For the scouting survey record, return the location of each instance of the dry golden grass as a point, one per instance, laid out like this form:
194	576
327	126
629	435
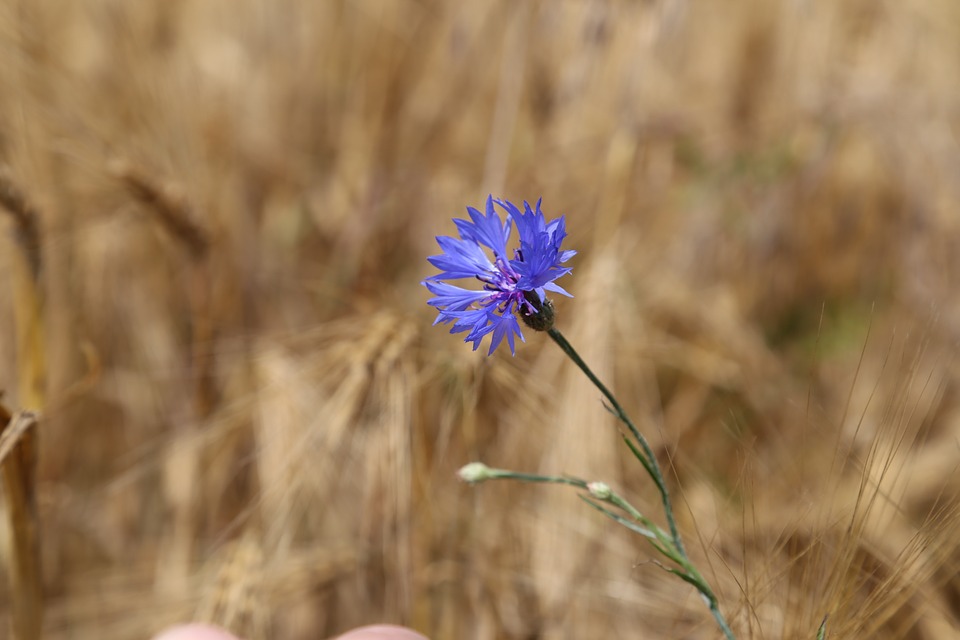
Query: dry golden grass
249	419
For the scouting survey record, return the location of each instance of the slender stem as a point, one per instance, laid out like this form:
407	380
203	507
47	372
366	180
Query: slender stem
721	621
688	571
664	539
657	474
503	474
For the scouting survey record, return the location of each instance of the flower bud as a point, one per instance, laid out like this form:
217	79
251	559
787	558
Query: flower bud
542	320
474	472
599	490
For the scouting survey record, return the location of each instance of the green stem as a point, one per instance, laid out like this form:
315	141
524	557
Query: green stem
654	467
721	621
689	573
504	474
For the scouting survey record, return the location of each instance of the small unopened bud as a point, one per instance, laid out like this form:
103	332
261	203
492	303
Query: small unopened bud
542	320
599	490
474	472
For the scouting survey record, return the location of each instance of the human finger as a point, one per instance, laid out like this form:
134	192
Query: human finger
382	632
195	632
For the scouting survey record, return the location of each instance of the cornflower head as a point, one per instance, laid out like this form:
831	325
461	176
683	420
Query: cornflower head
511	286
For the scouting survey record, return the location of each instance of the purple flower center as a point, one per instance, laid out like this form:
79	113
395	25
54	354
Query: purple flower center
503	284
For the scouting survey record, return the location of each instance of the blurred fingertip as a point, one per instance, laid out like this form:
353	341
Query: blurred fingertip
382	632
195	632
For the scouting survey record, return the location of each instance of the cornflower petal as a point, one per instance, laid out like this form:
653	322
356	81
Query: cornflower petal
505	325
450	298
484	325
552	286
528	225
460	259
474	320
486	229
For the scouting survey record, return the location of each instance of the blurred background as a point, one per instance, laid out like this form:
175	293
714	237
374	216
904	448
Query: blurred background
210	270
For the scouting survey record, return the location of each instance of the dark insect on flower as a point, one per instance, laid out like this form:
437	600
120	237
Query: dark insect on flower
510	286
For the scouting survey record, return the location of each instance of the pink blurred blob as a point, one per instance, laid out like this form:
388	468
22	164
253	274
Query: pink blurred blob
195	632
382	632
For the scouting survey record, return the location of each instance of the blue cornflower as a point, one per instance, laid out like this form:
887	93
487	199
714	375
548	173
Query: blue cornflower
510	286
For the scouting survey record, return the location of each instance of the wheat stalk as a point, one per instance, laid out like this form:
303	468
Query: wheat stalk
18	443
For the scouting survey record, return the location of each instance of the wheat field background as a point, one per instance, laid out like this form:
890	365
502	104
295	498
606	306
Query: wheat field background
216	219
